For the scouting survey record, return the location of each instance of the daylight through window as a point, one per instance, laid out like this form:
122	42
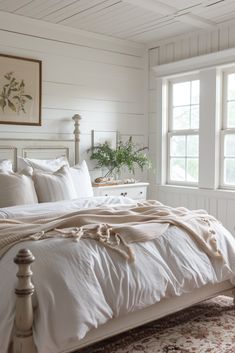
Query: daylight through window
183	132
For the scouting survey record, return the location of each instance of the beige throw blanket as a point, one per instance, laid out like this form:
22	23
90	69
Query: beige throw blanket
115	228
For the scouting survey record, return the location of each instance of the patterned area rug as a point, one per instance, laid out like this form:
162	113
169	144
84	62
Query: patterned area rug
208	327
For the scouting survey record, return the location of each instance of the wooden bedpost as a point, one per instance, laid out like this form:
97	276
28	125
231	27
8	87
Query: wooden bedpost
23	336
76	132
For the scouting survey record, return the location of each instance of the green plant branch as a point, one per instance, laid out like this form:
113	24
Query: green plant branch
127	154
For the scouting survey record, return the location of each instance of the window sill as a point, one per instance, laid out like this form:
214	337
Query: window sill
217	193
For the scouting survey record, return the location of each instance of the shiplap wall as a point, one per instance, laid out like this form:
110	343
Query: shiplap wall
96	76
219	203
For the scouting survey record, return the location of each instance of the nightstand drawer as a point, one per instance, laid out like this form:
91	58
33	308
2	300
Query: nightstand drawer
136	191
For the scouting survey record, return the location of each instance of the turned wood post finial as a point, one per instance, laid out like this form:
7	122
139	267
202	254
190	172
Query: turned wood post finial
24	256
23	337
24	259
76	118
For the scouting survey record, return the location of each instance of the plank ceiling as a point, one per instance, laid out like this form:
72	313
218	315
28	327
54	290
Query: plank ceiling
137	20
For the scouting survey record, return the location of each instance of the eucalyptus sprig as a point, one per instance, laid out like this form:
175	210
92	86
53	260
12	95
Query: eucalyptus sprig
127	154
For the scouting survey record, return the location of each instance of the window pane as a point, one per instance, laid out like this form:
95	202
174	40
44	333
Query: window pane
192	170
231	114
231	86
192	145
177	169
177	146
229	145
229	171
194	117
181	118
195	92
184	147
181	93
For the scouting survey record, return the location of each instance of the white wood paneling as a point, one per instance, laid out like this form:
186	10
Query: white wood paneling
191	45
102	83
217	202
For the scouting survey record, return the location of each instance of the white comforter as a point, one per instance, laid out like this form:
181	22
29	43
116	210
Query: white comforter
88	284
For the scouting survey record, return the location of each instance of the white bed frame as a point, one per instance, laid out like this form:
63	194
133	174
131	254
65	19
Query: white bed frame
23	335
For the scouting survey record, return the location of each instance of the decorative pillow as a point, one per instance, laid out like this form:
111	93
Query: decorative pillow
17	189
55	186
47	165
82	180
6	165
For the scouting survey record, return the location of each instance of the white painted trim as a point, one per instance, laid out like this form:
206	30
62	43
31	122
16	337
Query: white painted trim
222	58
162	129
188	190
145	94
210	81
46	30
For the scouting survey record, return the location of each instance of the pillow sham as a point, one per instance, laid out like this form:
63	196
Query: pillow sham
55	186
6	165
82	180
17	189
47	165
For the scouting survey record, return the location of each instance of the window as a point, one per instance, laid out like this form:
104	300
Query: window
183	132
228	131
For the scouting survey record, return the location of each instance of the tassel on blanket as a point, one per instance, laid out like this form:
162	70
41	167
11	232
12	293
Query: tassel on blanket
75	233
104	234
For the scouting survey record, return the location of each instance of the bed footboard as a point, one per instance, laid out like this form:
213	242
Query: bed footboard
23	336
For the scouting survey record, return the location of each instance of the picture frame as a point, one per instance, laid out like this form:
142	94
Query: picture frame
20	90
99	137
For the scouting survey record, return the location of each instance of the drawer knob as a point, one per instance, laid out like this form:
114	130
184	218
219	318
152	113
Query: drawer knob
123	193
141	192
106	194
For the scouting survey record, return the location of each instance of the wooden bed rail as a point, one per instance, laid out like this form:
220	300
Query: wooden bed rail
23	336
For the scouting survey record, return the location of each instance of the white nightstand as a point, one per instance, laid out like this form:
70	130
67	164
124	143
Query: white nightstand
136	191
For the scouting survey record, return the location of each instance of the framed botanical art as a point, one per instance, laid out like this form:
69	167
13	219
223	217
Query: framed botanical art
99	137
20	90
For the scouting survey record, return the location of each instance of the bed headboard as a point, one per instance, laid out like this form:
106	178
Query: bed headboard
42	149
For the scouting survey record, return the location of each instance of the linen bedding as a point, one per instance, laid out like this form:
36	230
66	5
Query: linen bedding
81	285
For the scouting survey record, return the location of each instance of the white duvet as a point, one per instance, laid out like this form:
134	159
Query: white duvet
87	284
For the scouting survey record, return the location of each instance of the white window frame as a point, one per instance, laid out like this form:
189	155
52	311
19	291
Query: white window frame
171	132
210	68
225	130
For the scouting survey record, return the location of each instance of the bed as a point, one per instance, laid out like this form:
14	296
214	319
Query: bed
82	291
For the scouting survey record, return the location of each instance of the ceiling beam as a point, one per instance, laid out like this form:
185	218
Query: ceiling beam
163	9
194	20
153	5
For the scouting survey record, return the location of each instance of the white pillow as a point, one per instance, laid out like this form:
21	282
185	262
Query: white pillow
17	189
55	186
47	165
82	180
6	165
